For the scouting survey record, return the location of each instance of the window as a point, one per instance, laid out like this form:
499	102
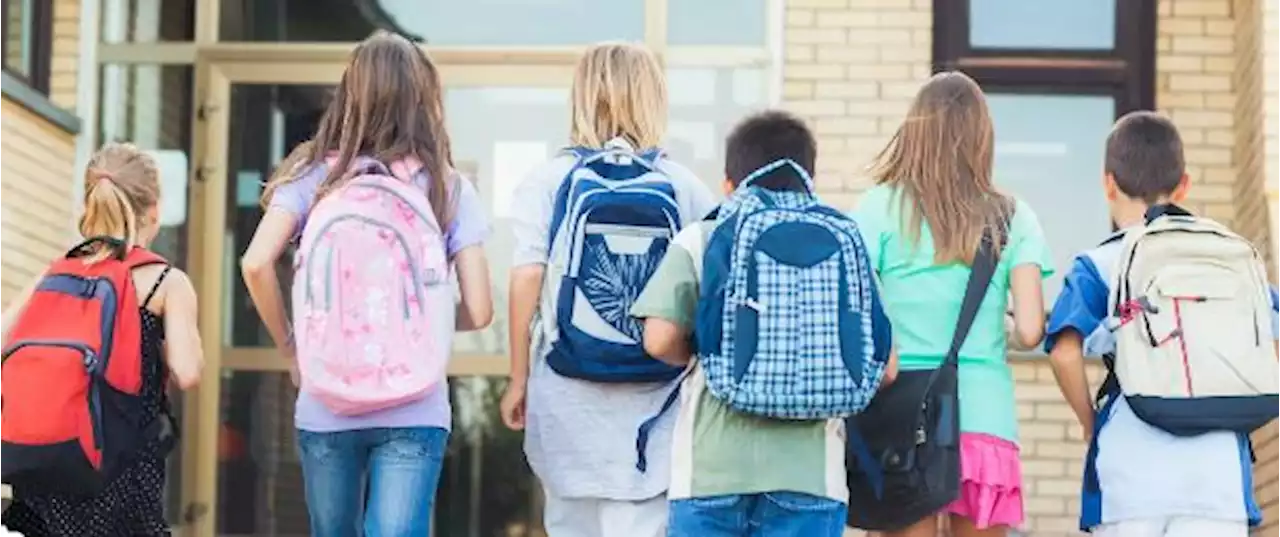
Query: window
28	30
1057	75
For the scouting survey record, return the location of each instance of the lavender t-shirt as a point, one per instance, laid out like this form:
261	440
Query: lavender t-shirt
469	227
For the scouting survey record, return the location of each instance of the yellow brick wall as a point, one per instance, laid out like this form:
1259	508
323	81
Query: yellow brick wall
35	205
1195	64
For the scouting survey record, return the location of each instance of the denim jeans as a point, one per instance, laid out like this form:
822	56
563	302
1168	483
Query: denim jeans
382	479
771	514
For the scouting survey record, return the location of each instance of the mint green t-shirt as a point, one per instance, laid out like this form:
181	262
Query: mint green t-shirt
923	299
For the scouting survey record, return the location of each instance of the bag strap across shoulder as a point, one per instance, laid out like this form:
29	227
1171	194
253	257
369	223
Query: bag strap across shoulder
980	275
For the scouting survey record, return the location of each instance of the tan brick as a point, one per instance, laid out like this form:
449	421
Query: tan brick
818	3
850	19
1063	487
912	54
1202	44
1218	8
845	126
1055	412
1221	138
1045	506
817	35
797	90
1219	27
1220	64
1042	468
1164	43
1218	174
1059	525
1026	411
1037	392
1197	118
847	89
916	18
922	37
800	17
815	72
879	72
847	53
1181	26
1220	101
1206	156
880	37
1042	431
817	108
1061	450
1190	82
1175	63
801	53
1212	192
1180	99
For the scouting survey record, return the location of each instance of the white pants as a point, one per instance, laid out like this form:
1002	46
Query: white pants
605	518
1173	527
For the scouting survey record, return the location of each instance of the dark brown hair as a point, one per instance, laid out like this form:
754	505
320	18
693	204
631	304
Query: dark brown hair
387	107
941	159
764	137
1144	155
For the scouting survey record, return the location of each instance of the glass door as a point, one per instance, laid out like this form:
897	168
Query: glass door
241	472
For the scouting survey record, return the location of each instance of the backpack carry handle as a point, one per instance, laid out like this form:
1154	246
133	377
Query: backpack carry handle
1165	209
770	167
615	152
118	245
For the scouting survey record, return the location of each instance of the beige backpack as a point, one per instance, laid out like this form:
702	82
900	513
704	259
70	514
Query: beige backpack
1192	319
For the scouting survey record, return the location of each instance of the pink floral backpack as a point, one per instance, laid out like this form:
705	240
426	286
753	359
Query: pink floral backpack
373	306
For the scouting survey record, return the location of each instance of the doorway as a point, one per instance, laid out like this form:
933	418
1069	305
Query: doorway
241	474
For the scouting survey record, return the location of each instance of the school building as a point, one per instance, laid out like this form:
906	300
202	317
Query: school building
220	90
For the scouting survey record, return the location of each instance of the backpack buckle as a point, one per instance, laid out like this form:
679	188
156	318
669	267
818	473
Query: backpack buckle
89	289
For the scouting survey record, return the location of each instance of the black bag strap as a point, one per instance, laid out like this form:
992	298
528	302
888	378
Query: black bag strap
980	275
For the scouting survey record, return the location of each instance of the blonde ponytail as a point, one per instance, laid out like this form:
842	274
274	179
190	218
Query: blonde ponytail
121	185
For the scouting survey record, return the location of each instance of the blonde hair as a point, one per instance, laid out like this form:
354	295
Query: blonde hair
121	184
940	159
619	90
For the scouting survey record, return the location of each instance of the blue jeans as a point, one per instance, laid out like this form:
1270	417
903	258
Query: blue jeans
382	479
772	514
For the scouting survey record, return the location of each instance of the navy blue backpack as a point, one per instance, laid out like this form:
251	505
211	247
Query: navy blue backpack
615	214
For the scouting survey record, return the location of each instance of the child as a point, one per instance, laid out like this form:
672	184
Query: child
743	475
923	221
121	202
1149	483
386	124
581	434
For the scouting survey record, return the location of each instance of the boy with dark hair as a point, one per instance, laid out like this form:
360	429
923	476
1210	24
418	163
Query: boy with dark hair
745	474
1141	480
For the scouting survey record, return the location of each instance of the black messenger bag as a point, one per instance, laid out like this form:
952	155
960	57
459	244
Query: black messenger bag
903	454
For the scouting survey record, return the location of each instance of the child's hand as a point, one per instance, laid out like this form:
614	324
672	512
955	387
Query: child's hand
513	404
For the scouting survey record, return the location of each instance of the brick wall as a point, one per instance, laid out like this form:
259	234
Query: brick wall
852	67
1195	64
35	208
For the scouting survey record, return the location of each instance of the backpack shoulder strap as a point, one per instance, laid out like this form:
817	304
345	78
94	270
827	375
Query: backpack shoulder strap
980	275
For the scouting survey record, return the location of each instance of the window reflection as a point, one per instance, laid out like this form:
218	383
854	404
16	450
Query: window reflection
716	22
706	102
1078	24
1057	171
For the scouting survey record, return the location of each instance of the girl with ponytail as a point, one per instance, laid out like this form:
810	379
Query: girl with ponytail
119	219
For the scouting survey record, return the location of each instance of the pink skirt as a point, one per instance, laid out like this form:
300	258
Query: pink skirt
990	482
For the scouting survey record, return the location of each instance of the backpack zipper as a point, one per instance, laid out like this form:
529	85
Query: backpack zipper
92	366
404	245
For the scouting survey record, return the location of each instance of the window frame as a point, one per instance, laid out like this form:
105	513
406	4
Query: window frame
1127	72
39	71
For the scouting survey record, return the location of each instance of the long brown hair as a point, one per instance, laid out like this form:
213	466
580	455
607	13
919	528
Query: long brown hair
121	187
618	90
387	107
940	159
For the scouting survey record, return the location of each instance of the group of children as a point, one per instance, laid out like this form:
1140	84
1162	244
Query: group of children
706	468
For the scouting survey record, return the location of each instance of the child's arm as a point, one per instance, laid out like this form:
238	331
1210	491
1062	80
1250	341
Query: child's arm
1080	309
670	300
1067	359
1028	306
667	341
531	213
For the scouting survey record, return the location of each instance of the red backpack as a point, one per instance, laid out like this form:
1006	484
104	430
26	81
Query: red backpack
72	406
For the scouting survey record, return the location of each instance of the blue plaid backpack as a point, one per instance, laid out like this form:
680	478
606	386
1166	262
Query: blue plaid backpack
615	213
789	322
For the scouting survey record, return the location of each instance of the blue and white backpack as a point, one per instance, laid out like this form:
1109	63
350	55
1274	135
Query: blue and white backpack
615	214
789	322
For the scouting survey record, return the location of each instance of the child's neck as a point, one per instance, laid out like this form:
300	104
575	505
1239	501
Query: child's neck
1133	212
